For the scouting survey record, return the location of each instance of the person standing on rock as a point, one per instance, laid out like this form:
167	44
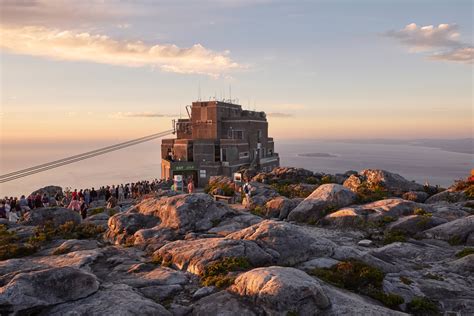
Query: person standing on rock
87	196
247	189
93	195
190	186
83	208
75	205
38	202
3	213
45	200
121	193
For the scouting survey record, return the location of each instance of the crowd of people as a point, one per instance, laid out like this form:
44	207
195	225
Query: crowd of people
13	208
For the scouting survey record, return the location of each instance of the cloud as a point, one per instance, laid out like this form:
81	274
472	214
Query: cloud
279	114
120	115
440	42
81	46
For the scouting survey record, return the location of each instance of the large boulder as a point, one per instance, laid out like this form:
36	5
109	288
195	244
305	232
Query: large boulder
281	290
414	224
260	194
38	289
50	190
447	196
55	215
455	232
280	207
124	225
290	244
111	300
378	211
195	255
284	174
394	183
324	200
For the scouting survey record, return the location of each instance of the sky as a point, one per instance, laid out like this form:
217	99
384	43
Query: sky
109	70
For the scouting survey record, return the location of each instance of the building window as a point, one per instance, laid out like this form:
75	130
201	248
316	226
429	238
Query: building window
244	155
238	135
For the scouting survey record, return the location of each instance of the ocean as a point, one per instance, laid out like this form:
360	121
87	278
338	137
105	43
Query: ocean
142	162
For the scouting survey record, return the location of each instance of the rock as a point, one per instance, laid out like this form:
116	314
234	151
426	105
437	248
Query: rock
111	300
72	245
450	212
50	190
101	219
195	255
180	310
455	232
55	215
449	196
284	174
355	216
464	265
394	183
186	212
280	207
204	291
260	194
38	289
347	303
161	276
234	224
325	199
365	243
289	243
123	225
310	265
416	196
160	293
223	304
414	224
281	290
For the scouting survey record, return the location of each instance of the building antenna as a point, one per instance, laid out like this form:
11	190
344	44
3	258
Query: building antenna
230	93
199	90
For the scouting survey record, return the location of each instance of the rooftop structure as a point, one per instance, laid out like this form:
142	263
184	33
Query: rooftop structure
218	138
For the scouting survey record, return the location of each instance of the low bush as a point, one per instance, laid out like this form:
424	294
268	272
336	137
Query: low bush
367	193
220	188
359	277
68	230
422	306
465	252
11	247
394	236
217	273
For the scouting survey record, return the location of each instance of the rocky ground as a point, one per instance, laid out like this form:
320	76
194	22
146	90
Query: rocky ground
367	243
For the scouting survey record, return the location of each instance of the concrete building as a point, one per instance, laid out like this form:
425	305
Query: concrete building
218	138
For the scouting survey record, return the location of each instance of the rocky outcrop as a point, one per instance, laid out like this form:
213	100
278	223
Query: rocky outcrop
195	255
324	200
223	303
393	183
38	289
448	196
383	210
50	190
284	174
455	232
281	290
260	194
415	224
289	244
111	300
280	207
55	215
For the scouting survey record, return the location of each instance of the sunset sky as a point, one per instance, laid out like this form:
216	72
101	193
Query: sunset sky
75	70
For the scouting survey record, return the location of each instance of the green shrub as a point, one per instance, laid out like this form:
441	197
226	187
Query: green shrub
465	252
311	180
225	188
258	210
394	236
11	247
422	306
419	211
359	277
96	211
327	179
455	241
369	193
68	230
217	273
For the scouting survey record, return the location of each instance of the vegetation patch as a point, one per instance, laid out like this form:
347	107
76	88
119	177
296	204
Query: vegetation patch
394	236
419	211
220	188
367	193
258	210
465	252
11	247
422	306
455	241
359	277
291	191
434	277
219	272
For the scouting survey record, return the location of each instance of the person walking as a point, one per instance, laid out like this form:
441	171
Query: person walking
190	186
75	205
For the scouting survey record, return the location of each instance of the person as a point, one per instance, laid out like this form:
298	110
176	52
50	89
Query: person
23	203
45	200
121	193
37	201
190	186
111	202
3	213
83	208
93	194
247	189
75	205
13	216
87	196
74	194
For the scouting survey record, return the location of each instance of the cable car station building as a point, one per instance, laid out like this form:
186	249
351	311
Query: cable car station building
218	138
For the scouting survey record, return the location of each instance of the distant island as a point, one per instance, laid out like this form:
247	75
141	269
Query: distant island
318	155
